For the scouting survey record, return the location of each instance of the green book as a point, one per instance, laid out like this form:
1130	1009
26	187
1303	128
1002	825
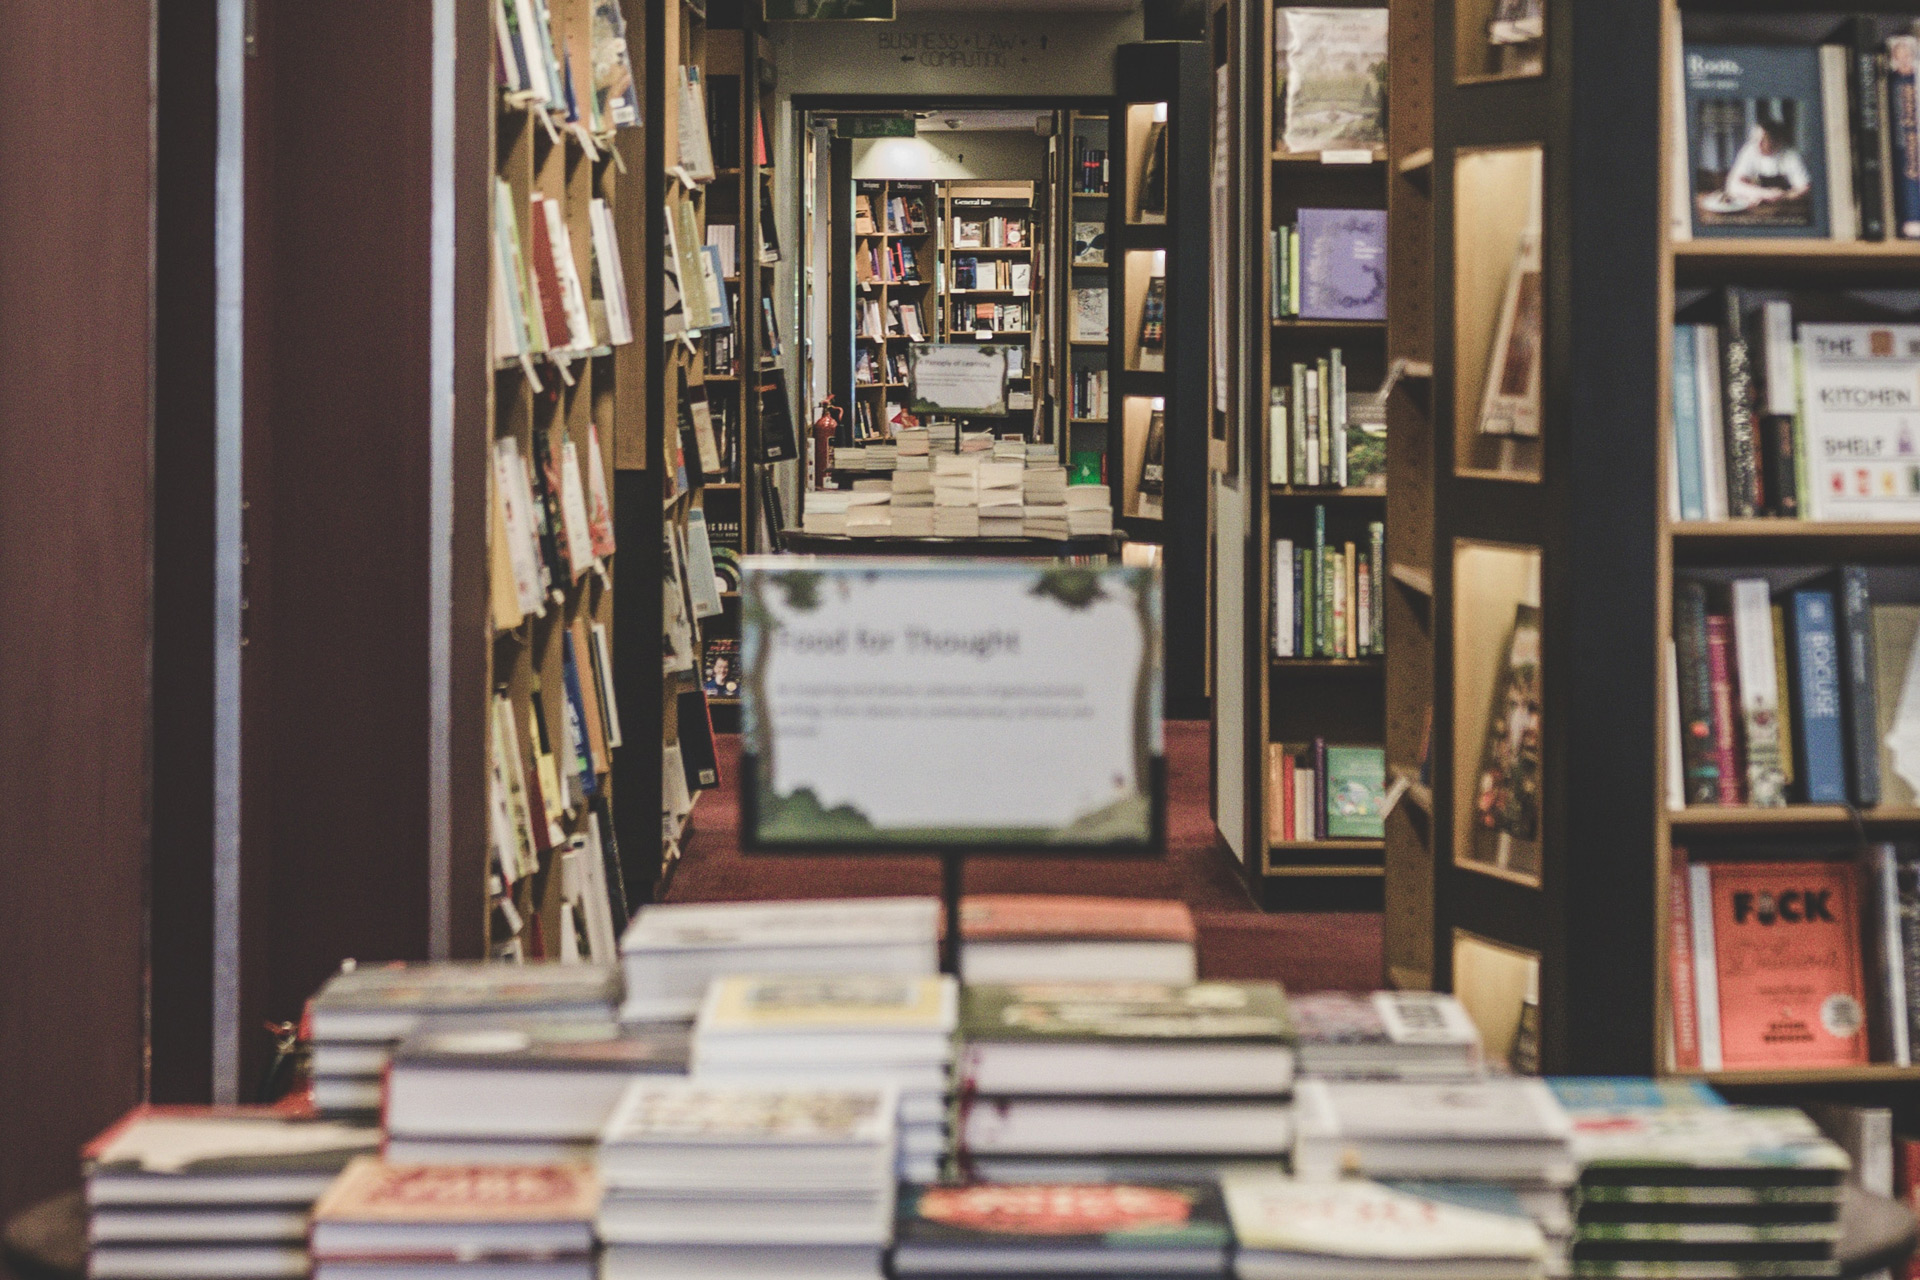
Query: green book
1356	786
1085	468
1108	1011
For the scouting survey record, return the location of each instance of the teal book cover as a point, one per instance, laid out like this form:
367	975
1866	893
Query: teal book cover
1356	788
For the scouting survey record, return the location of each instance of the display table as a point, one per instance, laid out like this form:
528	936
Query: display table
839	544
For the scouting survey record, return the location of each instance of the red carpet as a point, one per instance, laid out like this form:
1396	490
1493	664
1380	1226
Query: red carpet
1302	951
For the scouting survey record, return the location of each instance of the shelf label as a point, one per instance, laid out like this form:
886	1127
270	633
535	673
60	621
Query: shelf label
1358	156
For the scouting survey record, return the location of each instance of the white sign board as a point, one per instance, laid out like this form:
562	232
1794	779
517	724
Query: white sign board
915	704
955	379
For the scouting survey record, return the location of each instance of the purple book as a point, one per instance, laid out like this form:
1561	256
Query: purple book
1343	264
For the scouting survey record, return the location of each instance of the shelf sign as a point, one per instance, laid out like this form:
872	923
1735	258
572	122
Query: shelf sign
913	704
874	126
828	11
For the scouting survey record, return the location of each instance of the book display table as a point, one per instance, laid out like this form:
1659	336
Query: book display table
837	544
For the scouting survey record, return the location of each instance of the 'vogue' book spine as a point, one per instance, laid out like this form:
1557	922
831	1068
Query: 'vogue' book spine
1819	753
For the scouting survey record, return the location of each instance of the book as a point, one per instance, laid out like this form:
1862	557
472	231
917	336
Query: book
1047	937
1356	790
1778	961
1819	743
1859	717
1896	653
1362	1230
1510	1129
695	736
1759	694
1343	263
1090	314
694	138
1152	192
1089	244
1391	1035
1036	1127
1334	94
1157	1228
614	87
1862	420
1889	1024
385	1003
1903	131
159	1155
1507	795
1510	402
1757	140
379	1211
1868	125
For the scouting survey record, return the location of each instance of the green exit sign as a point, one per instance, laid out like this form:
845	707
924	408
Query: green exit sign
874	127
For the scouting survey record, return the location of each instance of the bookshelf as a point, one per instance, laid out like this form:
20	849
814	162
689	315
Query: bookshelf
1335	690
995	265
893	267
1085	391
561	408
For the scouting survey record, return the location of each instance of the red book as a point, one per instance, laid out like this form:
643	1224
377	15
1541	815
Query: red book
546	278
1720	689
1906	1185
385	1212
985	916
1292	827
1787	966
1686	1015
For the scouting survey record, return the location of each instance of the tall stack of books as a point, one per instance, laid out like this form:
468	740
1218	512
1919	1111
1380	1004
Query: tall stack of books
780	1030
384	1221
742	1180
1675	1182
956	495
826	511
1061	938
1387	1035
1043	493
1143	1231
1095	1081
912	491
517	1093
1089	510
363	1012
673	952
1001	487
869	511
1356	1230
205	1191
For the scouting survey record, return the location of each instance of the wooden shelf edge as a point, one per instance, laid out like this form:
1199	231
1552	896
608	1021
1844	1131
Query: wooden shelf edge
1301	322
1798	249
1376	156
1374	660
1415	161
1706	817
1327	846
1325	872
1879	1072
1417	580
1761	528
1309	491
1418	792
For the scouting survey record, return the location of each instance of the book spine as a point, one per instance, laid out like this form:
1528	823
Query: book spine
1783	690
1323	419
1319	788
1302	798
1713	440
1680	979
1363	613
1278	453
1843	215
1759	697
1781	468
1686	426
1888	955
1300	627
1378	531
1858	709
1819	740
1289	819
1736	389
1696	695
1903	126
1908	908
1283	598
1319	582
1706	973
1338	418
1297	406
1350	577
1720	686
1869	182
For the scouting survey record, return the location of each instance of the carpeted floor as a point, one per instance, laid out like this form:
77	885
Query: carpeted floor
1305	951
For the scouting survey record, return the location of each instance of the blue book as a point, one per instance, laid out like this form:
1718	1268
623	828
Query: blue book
1813	650
1686	426
1343	264
576	714
1756	140
1588	1093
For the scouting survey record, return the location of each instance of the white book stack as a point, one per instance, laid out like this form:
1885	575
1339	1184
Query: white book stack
1001	502
913	501
1010	449
778	1030
826	511
868	512
492	1092
943	437
736	1180
1388	1035
976	442
882	455
852	457
1496	1130
193	1191
910	441
956	495
673	951
1089	510
362	1013
1044	495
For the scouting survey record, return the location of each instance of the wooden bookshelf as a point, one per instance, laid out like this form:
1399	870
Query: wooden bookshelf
548	405
1088	205
979	200
884	289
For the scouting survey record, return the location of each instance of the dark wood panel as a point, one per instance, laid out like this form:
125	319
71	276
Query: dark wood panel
75	200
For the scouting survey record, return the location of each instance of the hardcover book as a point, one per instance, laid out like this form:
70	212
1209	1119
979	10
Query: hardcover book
1861	406
1356	790
371	1190
1090	315
687	1111
1507	797
1343	264
1510	405
998	917
828	1003
1320	1225
1089	244
1141	1228
1124	1011
1331	78
827	922
274	1151
1756	140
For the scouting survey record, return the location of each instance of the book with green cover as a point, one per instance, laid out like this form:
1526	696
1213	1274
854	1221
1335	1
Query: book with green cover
1356	786
1127	1011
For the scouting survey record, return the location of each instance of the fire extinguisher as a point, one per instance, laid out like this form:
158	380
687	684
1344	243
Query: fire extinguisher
825	428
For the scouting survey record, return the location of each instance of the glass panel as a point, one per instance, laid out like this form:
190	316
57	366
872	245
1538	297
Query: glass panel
1499	986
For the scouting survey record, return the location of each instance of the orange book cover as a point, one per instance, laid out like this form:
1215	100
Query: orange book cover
1034	916
1786	942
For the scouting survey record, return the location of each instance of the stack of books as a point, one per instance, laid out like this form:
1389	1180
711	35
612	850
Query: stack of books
672	952
205	1191
1001	501
518	1092
363	1012
1044	493
384	1221
1142	1231
826	511
1093	1081
1060	938
1388	1035
781	1030
741	1180
869	512
1089	510
1356	1230
1675	1182
956	495
912	495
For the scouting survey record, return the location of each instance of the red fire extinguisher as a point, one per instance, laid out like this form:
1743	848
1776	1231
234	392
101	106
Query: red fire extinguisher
825	428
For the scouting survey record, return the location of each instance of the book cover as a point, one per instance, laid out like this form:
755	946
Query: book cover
546	277
826	922
695	725
689	1111
1510	403
1089	244
1343	264
1356	790
1814	668
1126	1011
599	501
1684	1044
1903	127
1868	125
1861	399
1090	314
1689	1134
1725	715
1492	1110
371	1190
1507	794
1787	963
1333	89
200	1141
507	1045
1697	747
1150	490
1739	400
778	441
1854	613
1060	1217
1364	1220
850	1002
467	986
720	668
613	83
1756	140
1381	1018
996	917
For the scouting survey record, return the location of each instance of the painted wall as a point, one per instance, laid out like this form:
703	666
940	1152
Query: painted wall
993	153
